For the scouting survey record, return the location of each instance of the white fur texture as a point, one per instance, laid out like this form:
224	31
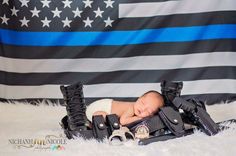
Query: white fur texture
21	120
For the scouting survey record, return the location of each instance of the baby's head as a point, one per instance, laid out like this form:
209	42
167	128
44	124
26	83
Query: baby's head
148	104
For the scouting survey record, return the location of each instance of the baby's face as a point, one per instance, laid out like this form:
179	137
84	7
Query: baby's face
147	106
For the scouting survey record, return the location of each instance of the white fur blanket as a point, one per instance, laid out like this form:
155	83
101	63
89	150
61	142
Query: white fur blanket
22	121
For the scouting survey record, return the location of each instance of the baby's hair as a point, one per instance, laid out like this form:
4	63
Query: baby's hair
151	91
158	95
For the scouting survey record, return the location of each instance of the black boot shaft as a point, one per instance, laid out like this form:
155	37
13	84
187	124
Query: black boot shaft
170	90
75	106
69	92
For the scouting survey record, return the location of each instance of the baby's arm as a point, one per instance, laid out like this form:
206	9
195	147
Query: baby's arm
128	117
100	113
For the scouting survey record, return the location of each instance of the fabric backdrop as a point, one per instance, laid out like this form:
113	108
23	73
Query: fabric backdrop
117	48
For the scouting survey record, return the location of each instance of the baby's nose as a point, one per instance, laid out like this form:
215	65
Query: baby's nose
142	109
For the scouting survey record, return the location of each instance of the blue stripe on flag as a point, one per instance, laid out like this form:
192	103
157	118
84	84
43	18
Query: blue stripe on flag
174	34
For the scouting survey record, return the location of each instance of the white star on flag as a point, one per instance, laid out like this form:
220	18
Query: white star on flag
5	2
98	12
24	22
88	22
24	3
45	22
45	3
56	12
67	3
66	22
4	19
14	11
77	12
35	12
108	22
109	3
88	3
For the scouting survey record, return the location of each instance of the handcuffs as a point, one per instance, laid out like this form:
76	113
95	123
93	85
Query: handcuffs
123	134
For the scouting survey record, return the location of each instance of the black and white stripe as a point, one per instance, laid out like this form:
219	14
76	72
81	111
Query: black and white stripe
173	7
221	86
164	48
132	76
118	64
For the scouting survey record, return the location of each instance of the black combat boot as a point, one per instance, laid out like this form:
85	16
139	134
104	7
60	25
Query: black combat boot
75	106
170	90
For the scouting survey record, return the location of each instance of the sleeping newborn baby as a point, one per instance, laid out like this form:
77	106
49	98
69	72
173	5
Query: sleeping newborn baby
128	112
